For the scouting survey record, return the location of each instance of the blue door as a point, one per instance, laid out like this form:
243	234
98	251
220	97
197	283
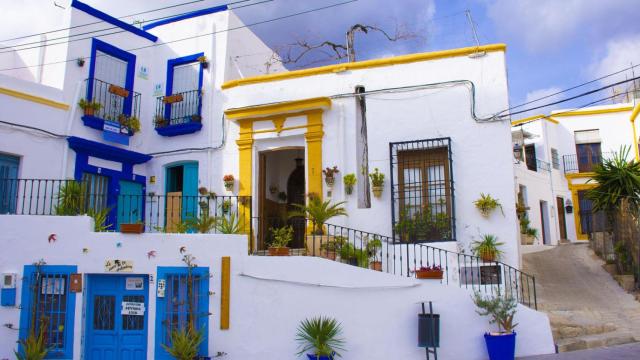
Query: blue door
8	183
130	203
190	190
116	327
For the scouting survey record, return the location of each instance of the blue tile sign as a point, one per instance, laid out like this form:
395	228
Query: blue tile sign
115	133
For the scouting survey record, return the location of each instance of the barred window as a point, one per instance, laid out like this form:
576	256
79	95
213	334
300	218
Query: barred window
423	194
555	159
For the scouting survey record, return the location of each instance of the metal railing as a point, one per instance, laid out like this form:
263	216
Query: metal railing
382	253
180	108
30	196
579	164
543	165
113	104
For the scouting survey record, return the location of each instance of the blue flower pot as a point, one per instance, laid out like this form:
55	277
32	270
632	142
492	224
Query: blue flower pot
501	347
323	357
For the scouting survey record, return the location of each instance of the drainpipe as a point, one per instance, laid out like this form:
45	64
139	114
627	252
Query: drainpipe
72	113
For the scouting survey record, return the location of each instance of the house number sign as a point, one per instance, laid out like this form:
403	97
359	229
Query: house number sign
116	265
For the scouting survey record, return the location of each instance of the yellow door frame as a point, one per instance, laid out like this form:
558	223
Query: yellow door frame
574	188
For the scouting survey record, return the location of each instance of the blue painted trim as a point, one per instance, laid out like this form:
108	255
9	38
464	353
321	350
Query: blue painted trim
188	15
8	297
129	58
112	20
25	303
179	129
97	123
203	321
107	152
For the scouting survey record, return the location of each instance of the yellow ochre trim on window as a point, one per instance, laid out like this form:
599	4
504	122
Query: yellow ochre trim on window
574	188
34	98
533	118
634	115
278	108
336	68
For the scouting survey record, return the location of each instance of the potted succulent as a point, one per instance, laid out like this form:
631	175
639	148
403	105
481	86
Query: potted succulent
429	272
486	204
373	249
330	176
318	212
228	182
321	336
487	248
89	107
349	181
377	182
281	238
501	345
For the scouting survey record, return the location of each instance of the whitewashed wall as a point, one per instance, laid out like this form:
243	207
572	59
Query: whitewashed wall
269	296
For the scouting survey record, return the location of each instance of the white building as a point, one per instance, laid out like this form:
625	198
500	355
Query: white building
559	152
424	120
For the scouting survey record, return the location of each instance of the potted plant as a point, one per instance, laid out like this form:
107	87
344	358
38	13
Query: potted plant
34	346
161	121
321	336
80	62
429	272
330	176
318	212
119	91
282	196
228	182
377	182
133	228
133	124
527	233
203	61
203	191
487	248
89	107
501	345
486	204
373	249
225	206
281	238
349	181
329	250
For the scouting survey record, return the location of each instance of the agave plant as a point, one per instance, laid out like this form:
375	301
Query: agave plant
99	219
320	335
228	224
487	248
185	343
618	179
34	347
318	212
71	199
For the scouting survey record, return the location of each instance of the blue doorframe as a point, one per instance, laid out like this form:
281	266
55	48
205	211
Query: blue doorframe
110	334
189	186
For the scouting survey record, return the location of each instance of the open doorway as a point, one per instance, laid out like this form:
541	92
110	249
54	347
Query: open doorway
281	185
181	190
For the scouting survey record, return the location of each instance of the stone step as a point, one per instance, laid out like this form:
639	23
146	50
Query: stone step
565	331
594	341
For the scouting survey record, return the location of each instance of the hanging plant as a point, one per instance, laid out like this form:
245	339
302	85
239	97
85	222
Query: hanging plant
330	176
228	182
349	181
377	182
486	204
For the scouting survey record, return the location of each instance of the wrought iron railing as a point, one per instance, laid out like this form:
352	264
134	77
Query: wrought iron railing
30	196
179	108
579	164
543	165
382	253
115	102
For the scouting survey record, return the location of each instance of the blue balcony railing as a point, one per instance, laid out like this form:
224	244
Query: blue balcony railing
113	103
179	113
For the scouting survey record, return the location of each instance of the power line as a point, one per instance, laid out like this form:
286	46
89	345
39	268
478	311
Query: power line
201	35
47	44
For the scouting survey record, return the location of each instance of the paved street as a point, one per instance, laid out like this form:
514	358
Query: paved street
620	352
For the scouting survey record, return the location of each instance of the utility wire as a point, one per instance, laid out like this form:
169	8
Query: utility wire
201	35
47	44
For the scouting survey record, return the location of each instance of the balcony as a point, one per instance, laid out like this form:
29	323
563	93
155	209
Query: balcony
574	164
179	114
111	103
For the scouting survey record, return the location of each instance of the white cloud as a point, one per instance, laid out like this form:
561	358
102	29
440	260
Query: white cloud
620	54
543	93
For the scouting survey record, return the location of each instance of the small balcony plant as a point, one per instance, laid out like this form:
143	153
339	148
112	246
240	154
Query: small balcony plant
487	248
377	182
330	176
89	107
374	246
486	204
349	181
318	212
429	272
228	182
501	310
160	121
225	206
281	238
319	338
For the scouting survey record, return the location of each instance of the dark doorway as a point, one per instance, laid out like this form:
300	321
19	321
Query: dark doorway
561	219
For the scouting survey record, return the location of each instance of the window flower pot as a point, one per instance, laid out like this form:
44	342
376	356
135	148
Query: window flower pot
501	346
89	111
377	190
429	330
117	90
429	274
376	265
132	228
279	251
172	99
228	185
330	181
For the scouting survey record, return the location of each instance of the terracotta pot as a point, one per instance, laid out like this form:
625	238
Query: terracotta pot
488	257
132	228
377	191
117	90
527	239
172	99
89	111
279	251
329	254
376	265
429	274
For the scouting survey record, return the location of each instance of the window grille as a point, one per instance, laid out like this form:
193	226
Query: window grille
555	159
422	190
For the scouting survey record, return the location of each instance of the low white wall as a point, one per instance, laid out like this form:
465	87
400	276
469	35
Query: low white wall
269	296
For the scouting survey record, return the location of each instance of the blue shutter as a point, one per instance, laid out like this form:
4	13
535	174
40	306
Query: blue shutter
190	190
8	183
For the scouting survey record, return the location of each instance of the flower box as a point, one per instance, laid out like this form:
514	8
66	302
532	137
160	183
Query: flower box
279	251
172	99
429	274
117	90
132	228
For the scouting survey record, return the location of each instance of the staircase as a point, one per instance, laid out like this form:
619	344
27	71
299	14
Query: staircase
579	330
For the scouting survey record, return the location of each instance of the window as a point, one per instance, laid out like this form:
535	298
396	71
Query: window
589	155
172	310
555	159
96	191
423	195
48	304
590	221
530	157
182	103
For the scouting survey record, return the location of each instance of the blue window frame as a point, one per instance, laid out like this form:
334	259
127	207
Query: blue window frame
8	183
46	295
172	309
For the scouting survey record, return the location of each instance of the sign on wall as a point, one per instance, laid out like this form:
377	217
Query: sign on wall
162	283
114	132
132	308
134	283
117	265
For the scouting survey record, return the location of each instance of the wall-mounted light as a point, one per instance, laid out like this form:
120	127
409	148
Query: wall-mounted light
568	206
517	151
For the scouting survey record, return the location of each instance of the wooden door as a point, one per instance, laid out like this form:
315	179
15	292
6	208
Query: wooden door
561	218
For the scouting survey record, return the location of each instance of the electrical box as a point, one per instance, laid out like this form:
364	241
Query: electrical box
8	292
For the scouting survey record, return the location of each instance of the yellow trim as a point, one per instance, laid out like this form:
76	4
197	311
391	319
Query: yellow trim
592	112
34	98
314	153
396	60
579	175
574	188
279	130
278	108
634	115
533	118
225	292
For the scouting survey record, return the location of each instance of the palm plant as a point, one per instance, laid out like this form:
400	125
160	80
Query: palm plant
618	180
487	248
318	212
320	335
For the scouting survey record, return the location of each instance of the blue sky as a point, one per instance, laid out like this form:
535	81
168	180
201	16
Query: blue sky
552	44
